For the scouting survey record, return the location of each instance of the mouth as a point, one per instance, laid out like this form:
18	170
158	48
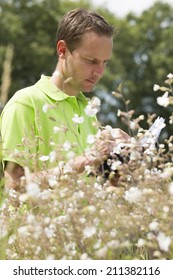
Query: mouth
92	81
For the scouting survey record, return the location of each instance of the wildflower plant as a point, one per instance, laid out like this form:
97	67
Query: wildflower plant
122	212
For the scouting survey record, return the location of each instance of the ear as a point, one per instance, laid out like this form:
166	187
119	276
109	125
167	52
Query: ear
61	48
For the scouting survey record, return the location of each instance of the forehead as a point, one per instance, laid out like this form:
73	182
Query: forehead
96	45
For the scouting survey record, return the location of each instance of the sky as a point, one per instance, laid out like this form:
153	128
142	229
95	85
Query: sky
122	7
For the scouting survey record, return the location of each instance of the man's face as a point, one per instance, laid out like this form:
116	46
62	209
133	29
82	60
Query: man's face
86	64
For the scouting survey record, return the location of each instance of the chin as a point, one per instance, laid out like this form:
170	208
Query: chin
87	89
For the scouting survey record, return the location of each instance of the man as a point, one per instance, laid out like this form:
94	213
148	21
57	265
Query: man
39	119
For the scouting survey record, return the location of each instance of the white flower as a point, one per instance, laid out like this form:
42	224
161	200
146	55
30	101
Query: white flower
49	232
45	108
90	139
171	188
118	148
93	106
156	87
44	158
101	253
170	76
132	125
89	231
30	218
50	257
119	113
166	209
153	225
23	231
163	100
33	189
67	168
56	129
163	241
135	155
115	165
67	146
79	194
70	154
167	173
11	239
140	243
95	101
52	156
84	256
133	195
90	111
52	181
77	119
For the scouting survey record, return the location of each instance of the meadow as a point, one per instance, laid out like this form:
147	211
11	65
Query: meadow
124	214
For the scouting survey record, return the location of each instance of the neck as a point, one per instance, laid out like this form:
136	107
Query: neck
64	84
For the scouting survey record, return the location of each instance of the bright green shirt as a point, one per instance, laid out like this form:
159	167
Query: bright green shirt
38	120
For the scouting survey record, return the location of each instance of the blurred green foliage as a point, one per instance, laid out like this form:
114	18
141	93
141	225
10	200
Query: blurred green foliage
142	54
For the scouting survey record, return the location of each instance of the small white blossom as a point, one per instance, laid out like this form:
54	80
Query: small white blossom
23	231
156	87
11	239
50	257
140	243
163	100
89	231
133	195
90	111
163	241
118	148
67	169
118	113
45	108
115	165
56	129
49	232
153	225
90	139
135	155
165	209
23	197
95	101
70	154
170	76
77	119
101	253
52	156
33	189
171	188
52	181
30	218
132	125
79	194
93	106
67	146
85	256
44	158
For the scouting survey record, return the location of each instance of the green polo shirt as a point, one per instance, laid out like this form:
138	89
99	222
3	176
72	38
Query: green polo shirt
39	120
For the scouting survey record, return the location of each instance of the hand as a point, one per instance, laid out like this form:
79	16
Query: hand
107	140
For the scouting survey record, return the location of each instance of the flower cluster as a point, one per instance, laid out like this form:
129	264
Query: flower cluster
125	214
166	99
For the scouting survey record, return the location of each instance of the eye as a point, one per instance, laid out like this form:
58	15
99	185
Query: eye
91	61
106	62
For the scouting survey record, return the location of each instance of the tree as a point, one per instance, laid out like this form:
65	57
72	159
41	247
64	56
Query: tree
142	54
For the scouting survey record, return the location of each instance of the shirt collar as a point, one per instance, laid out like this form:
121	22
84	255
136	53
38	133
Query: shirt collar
46	86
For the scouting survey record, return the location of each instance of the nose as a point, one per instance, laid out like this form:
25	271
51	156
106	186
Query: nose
99	69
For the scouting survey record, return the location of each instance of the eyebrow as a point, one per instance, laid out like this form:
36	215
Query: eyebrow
96	60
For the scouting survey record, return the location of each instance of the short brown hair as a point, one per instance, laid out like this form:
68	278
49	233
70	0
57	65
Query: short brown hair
78	21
